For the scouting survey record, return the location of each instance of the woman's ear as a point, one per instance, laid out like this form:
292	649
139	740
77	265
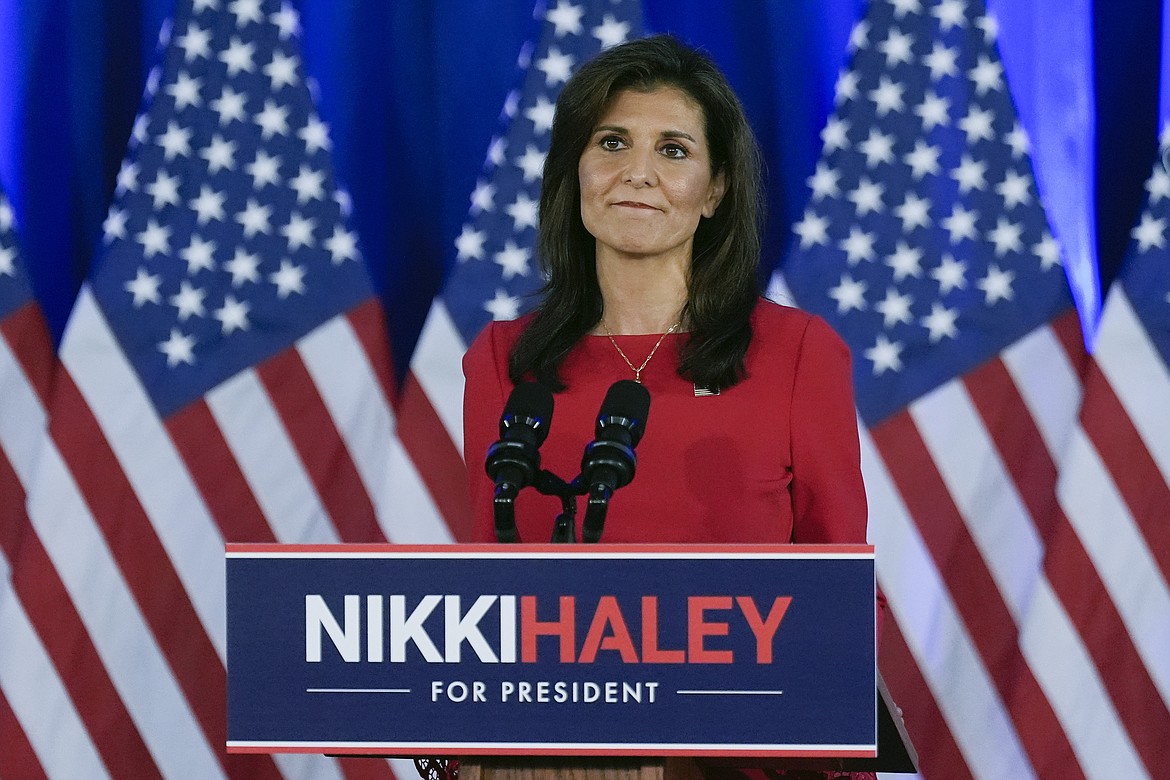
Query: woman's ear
715	194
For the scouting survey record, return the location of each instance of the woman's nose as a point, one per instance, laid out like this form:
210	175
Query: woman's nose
640	170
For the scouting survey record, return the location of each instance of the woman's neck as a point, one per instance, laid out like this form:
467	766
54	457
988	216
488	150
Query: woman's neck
640	295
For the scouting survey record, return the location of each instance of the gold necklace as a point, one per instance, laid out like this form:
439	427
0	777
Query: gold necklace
638	371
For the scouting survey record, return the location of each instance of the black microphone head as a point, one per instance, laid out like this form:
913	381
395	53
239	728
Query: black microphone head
532	403
627	403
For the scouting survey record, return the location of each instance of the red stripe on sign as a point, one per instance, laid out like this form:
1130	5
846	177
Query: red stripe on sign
436	457
17	758
28	338
1067	564
973	591
53	615
320	447
214	470
938	752
147	570
1129	463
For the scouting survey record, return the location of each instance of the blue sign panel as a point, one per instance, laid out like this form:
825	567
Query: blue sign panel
537	650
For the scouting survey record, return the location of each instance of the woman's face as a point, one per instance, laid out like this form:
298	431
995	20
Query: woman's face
646	176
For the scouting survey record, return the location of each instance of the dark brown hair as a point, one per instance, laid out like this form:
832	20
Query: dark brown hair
724	287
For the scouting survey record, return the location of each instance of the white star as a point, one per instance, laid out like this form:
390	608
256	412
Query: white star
846	86
556	67
315	134
894	308
342	245
610	32
896	47
229	105
273	120
208	206
282	71
245	11
867	197
887	97
1048	251
469	245
950	13
503	306
233	315
987	75
941	322
203	5
933	111
532	163
885	355
990	27
243	267
194	43
858	246
127	177
113	226
970	174
164	190
289	279
175	141
483	197
903	7
220	154
941	61
6	216
513	260
566	18
189	301
238	56
923	160
308	184
961	223
178	349
7	261
287	22
914	212
824	182
199	255
1017	139
523	212
155	240
541	115
264	170
997	285
835	135
1150	232
255	218
813	229
905	261
877	148
977	125
144	288
1014	189
185	90
950	275
1158	185
849	294
299	231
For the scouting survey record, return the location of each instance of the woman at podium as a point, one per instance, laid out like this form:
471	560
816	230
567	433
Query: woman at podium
650	241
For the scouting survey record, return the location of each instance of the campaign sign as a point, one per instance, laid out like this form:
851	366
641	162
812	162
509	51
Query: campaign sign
552	650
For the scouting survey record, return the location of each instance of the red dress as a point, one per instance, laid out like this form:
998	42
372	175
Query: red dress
773	459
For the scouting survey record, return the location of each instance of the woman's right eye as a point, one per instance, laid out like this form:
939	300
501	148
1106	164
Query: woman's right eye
611	143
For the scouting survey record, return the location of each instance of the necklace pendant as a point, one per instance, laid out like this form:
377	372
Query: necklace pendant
638	376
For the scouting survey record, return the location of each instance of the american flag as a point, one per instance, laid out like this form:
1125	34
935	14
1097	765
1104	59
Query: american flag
1012	651
224	376
495	272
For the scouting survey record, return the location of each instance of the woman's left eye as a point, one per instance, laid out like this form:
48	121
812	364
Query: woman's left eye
674	150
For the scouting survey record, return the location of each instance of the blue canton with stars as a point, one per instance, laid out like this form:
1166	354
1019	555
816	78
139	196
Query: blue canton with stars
924	243
226	240
15	290
1146	272
496	269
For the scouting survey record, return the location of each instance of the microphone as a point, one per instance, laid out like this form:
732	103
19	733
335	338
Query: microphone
513	462
609	461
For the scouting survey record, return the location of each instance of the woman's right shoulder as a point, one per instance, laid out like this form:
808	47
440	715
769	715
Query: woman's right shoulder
494	344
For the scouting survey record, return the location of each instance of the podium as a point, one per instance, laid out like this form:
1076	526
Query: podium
601	662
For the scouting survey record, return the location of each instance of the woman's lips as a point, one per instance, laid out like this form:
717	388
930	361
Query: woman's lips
635	205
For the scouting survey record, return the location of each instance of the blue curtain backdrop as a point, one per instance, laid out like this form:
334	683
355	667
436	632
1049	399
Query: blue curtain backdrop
412	90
